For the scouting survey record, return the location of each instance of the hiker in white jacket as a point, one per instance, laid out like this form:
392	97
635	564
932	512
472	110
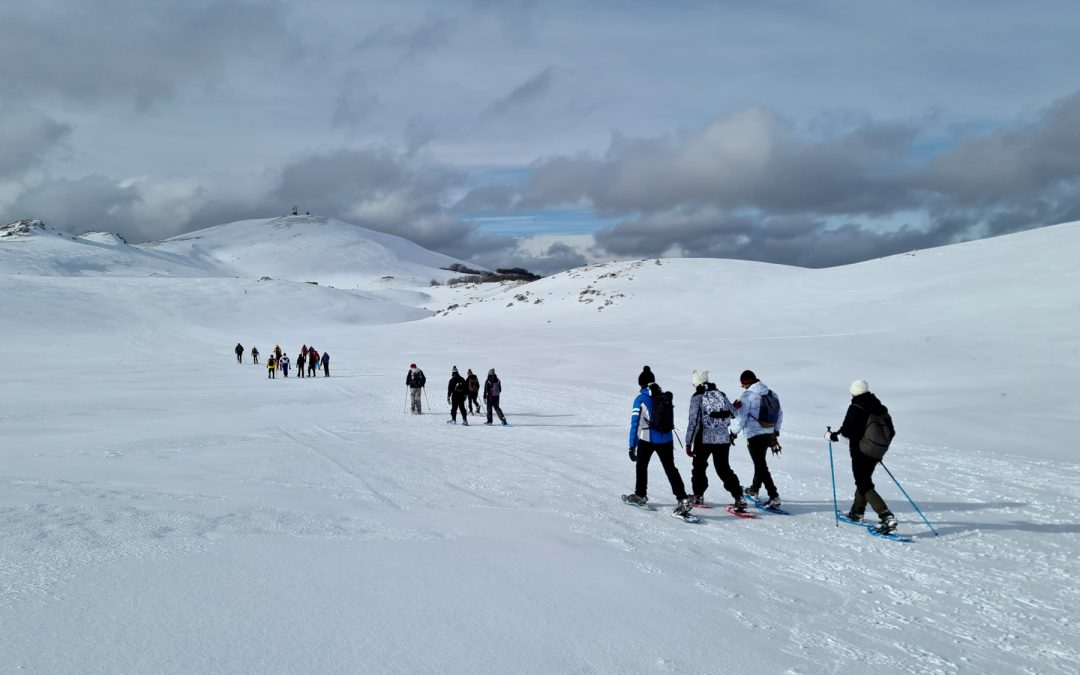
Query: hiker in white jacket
761	431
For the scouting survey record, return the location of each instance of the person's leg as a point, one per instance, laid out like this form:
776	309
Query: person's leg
488	403
722	464
759	448
862	468
497	409
666	453
644	453
699	479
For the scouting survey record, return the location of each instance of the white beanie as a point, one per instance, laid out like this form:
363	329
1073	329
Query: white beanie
859	387
700	377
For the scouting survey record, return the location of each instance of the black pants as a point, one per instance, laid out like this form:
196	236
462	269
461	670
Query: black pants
311	370
326	369
474	405
271	373
239	357
862	468
255	359
719	453
300	370
759	448
666	453
493	405
458	403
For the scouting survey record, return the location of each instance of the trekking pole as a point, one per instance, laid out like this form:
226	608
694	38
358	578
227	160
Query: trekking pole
936	533
424	389
677	436
406	408
832	471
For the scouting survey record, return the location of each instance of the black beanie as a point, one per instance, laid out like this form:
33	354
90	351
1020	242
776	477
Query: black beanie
747	377
645	378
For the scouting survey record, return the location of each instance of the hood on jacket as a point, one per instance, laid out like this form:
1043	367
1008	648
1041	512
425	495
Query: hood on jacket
870	403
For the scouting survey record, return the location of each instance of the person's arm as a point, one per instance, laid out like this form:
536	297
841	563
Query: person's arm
635	417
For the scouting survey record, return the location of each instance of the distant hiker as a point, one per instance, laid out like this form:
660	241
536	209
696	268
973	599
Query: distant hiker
304	350
455	396
284	364
864	409
326	364
295	211
239	352
255	355
313	361
492	392
473	384
707	436
648	435
759	415
300	364
271	367
415	381
277	352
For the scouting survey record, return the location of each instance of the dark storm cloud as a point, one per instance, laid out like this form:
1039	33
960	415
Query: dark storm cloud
90	203
26	138
94	51
750	186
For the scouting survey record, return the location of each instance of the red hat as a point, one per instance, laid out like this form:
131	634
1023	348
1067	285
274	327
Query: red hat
412	365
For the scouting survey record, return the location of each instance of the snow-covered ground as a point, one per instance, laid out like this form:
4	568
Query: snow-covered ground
164	509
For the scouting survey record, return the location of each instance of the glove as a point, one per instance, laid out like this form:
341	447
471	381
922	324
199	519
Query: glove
737	404
633	455
447	400
835	436
689	450
829	436
776	448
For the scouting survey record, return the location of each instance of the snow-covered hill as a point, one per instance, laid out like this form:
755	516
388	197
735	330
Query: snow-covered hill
165	509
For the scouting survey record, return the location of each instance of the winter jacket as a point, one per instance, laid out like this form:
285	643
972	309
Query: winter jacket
415	379
325	358
639	422
473	383
854	426
271	363
492	388
746	414
456	382
284	361
714	431
239	348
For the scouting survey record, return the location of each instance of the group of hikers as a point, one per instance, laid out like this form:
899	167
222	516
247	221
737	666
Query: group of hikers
462	394
308	358
716	422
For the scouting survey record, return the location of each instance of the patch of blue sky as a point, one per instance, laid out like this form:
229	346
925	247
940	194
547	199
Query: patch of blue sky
536	223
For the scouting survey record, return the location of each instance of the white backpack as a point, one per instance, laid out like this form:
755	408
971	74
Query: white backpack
715	409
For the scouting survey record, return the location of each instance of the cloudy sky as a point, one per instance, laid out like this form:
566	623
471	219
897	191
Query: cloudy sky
546	134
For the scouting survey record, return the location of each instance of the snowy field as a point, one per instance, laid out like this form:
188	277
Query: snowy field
164	509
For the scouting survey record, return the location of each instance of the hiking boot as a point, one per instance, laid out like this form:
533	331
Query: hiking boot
854	517
464	423
636	500
488	423
739	506
752	494
773	503
697	500
888	523
682	509
505	423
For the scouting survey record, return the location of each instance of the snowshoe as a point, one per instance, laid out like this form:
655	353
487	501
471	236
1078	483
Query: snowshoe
752	494
888	524
739	506
772	504
638	501
683	511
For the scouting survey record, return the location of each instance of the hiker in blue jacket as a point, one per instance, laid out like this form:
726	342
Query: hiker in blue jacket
761	434
645	441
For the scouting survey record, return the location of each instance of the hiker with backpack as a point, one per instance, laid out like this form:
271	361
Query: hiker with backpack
271	367
651	424
472	382
415	381
301	359
708	436
239	352
255	355
869	430
759	416
326	363
455	397
492	392
313	362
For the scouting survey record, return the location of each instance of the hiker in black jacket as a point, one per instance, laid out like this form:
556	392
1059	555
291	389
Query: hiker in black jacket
239	352
414	382
864	404
456	390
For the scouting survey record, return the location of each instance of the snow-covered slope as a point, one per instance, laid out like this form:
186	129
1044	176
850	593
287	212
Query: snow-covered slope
311	248
165	509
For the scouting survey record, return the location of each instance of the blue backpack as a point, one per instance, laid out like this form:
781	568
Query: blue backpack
769	412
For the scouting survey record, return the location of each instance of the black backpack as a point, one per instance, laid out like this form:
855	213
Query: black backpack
418	379
663	413
459	387
877	435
